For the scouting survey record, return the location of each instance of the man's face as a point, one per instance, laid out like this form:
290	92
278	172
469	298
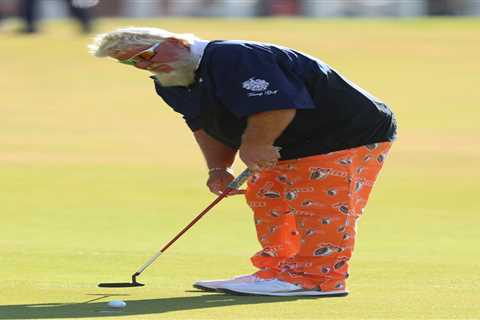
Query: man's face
171	62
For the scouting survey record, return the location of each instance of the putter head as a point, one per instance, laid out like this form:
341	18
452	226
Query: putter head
134	283
120	284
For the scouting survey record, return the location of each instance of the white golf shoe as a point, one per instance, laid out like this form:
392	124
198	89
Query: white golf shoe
276	287
214	285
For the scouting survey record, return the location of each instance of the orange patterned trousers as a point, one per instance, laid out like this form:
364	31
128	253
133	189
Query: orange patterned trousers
306	212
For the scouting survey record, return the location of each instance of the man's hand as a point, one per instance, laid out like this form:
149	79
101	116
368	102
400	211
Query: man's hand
257	150
218	180
258	157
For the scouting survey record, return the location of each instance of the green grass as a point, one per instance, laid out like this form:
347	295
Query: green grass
96	174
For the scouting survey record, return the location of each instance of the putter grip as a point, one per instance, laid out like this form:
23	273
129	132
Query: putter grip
242	177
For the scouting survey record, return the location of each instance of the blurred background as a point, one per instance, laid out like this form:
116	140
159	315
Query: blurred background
84	10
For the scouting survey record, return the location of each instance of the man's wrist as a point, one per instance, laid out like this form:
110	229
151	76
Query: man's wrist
255	141
216	169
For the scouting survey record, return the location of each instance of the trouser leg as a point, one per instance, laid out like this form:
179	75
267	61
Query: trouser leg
83	15
275	224
327	198
29	14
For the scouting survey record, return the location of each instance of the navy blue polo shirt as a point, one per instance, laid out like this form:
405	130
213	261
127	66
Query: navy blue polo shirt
236	79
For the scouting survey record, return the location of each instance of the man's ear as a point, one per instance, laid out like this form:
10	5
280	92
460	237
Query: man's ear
178	42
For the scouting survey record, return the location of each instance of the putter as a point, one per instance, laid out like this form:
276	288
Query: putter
234	185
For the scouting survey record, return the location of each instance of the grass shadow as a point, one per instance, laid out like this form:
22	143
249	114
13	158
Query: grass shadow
134	307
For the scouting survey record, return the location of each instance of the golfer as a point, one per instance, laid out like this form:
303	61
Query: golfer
314	140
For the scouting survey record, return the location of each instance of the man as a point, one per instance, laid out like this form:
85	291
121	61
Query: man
315	142
80	9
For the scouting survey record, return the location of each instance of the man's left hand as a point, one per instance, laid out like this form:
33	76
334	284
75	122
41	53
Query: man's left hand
258	157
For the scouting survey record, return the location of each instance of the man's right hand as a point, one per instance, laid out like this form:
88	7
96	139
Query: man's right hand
218	180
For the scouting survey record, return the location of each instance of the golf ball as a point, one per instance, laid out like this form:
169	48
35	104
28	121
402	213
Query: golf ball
117	304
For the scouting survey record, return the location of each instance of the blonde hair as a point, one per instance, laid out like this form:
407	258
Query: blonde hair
119	40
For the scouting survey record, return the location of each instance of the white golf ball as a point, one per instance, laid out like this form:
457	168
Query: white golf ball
117	304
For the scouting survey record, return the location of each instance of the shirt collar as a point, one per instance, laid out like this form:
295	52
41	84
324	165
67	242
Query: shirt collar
197	48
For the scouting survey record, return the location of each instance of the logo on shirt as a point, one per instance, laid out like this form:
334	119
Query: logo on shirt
258	86
255	84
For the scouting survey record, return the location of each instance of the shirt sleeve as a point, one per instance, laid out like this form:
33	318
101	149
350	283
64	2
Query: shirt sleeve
184	101
193	123
252	80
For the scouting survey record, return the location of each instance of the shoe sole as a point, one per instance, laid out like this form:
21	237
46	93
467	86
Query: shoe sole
317	294
207	289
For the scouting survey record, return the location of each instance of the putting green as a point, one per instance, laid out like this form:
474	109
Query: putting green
96	174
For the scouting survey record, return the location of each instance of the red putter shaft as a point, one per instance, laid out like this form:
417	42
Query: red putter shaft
219	198
234	185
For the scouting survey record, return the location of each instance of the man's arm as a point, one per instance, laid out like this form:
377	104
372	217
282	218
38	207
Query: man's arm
257	150
219	160
216	154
